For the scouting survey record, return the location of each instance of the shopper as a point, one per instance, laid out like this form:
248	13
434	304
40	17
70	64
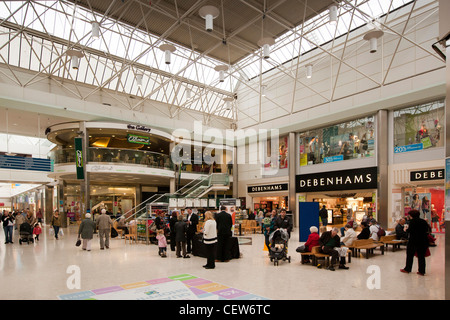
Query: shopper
400	232
417	242
323	214
268	228
330	243
104	224
37	231
121	224
284	222
365	232
56	223
224	224
162	243
8	226
312	241
192	221
173	219
210	240
39	216
426	209
20	219
86	231
180	237
349	235
373	228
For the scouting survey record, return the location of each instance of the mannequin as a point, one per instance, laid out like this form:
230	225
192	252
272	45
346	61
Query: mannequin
434	220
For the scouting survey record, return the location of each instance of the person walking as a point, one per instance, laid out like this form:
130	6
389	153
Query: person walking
86	231
224	224
417	242
104	224
173	219
8	226
210	240
56	223
323	214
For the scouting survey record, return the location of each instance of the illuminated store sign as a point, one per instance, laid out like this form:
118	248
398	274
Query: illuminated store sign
364	178
426	175
268	188
138	139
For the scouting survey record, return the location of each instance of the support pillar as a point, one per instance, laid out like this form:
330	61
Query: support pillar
292	165
383	167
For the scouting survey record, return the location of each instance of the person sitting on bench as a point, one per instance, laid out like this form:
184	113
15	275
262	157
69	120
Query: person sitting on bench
330	243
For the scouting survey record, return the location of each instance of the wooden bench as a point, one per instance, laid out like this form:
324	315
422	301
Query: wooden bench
317	255
392	240
366	244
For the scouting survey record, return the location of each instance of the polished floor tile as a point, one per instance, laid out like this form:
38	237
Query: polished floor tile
46	269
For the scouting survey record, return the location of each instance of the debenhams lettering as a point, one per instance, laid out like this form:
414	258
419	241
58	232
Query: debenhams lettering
314	182
354	179
276	187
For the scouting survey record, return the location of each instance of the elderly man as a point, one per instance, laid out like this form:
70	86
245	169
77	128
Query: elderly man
330	243
104	224
400	232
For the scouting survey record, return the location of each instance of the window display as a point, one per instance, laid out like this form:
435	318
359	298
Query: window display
419	127
345	141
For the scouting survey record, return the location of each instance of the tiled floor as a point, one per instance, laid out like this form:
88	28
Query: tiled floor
43	271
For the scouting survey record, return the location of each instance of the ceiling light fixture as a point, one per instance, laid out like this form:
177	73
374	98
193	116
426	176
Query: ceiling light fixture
75	55
139	77
372	36
168	49
209	13
95	30
309	71
265	43
263	90
221	68
333	14
228	101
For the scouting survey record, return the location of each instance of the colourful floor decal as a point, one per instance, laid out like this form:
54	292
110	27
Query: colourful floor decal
180	287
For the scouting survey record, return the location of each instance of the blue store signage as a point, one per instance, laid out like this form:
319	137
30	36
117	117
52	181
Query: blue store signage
408	148
333	158
25	163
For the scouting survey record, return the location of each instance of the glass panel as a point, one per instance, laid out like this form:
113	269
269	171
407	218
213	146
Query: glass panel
419	127
345	141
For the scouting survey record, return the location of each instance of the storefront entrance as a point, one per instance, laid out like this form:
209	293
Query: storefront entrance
345	206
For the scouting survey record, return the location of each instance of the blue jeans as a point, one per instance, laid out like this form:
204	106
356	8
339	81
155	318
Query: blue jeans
8	233
56	228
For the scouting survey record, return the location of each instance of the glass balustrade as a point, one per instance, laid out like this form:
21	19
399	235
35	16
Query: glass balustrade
135	157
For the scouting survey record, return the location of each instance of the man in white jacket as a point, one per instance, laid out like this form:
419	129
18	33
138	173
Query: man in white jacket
374	227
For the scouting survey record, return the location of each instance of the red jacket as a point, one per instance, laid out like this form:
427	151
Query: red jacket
313	241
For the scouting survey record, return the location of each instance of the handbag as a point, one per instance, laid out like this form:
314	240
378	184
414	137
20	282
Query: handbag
78	243
114	233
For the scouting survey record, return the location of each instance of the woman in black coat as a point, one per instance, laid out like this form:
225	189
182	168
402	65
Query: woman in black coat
173	219
417	242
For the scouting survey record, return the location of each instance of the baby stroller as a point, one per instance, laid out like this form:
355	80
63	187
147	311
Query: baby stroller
25	233
278	246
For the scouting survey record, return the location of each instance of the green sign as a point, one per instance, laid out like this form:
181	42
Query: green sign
79	158
138	139
426	142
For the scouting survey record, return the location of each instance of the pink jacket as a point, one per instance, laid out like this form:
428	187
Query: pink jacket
162	242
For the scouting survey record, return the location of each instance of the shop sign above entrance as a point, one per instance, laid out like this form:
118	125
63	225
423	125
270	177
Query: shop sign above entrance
138	139
425	175
354	179
138	127
268	188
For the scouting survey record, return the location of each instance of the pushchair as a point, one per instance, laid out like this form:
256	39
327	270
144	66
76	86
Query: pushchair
278	246
25	233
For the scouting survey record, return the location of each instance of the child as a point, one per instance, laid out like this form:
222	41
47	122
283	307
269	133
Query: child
37	231
162	243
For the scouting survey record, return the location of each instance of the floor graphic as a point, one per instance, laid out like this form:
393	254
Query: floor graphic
180	287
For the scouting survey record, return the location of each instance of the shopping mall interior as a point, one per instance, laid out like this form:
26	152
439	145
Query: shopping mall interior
271	110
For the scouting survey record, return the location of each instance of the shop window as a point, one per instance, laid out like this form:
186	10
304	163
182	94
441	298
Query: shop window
420	127
349	140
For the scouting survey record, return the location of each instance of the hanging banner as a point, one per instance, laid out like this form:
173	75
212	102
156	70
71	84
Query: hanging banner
79	158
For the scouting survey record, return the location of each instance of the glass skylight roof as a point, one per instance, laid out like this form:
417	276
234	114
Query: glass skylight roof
111	62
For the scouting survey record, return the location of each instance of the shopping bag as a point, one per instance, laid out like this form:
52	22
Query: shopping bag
114	233
61	232
427	253
51	232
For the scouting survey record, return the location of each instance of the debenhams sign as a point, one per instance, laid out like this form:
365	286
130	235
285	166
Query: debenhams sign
364	178
268	188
